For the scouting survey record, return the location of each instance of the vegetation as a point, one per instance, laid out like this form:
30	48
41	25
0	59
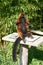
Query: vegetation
9	11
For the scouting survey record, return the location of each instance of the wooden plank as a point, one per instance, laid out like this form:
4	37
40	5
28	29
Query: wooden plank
37	32
12	37
34	43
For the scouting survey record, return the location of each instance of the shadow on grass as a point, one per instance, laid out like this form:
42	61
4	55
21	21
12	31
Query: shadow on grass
35	53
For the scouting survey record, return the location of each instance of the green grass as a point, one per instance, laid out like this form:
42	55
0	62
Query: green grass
35	56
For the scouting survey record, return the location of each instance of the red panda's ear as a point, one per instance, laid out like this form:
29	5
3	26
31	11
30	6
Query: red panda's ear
21	15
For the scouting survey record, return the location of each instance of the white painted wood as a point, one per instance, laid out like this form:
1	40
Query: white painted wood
34	43
37	32
12	37
31	39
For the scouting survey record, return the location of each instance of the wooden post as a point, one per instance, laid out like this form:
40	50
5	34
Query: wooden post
24	55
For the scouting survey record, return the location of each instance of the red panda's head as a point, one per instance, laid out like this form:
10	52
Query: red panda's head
21	15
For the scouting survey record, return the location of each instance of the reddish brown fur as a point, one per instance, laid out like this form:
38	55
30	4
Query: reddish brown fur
18	26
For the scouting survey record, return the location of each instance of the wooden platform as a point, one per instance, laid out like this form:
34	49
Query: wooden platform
24	46
36	43
12	37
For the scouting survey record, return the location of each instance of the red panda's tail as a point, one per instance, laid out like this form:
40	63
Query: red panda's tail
15	45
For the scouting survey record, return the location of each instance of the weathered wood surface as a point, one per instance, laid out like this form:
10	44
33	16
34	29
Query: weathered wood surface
37	32
12	37
34	43
24	55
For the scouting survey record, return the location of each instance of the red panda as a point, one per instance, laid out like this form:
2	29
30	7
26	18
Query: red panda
22	29
22	26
